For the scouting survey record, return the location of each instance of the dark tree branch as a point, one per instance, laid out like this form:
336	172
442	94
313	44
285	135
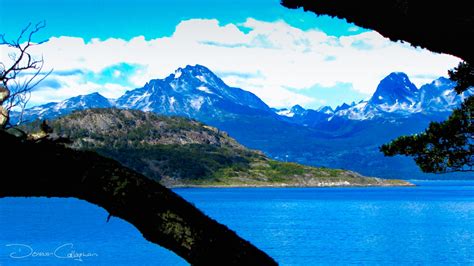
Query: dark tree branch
159	214
463	74
444	146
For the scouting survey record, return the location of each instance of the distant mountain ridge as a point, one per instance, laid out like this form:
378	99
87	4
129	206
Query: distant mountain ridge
196	92
397	96
193	91
56	109
346	137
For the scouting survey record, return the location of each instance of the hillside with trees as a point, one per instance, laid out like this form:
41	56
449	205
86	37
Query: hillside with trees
181	152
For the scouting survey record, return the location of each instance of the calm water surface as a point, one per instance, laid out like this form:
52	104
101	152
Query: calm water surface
430	224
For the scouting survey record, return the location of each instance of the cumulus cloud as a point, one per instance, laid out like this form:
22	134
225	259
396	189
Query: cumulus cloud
274	60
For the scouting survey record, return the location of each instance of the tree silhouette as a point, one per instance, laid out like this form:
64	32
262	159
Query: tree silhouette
20	75
444	146
463	74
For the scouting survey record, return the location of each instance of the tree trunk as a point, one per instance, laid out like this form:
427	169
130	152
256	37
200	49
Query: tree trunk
4	94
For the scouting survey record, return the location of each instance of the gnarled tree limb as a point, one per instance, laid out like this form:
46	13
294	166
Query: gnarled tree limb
52	170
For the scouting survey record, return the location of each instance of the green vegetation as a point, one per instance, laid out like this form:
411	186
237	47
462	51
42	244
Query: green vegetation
182	152
446	146
463	74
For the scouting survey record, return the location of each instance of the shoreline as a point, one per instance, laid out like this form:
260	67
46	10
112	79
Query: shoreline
408	184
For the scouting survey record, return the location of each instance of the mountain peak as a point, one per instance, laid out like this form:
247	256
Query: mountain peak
197	67
94	95
191	77
54	109
398	78
192	91
397	75
396	88
197	70
190	69
325	109
343	106
297	109
396	95
86	99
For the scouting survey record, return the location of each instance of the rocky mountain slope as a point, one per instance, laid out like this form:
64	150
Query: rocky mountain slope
182	152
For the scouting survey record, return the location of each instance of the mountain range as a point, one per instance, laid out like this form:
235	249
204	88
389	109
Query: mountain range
395	97
347	137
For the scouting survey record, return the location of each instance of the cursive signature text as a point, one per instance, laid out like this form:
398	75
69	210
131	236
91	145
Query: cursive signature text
65	251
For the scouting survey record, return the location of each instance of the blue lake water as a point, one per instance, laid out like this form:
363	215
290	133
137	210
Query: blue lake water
429	224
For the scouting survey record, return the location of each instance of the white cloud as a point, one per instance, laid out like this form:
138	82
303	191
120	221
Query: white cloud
283	57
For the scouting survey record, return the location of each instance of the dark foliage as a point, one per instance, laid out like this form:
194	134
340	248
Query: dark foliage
444	147
463	74
191	161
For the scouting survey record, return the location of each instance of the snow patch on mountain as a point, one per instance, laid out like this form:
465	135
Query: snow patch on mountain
205	89
201	78
196	103
285	112
177	73
325	110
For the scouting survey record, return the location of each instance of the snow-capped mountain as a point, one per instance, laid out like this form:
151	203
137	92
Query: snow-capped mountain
347	137
397	96
395	92
196	92
193	91
438	96
50	110
298	110
306	117
325	110
344	106
295	111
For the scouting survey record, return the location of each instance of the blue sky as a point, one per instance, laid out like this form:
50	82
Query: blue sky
151	18
284	56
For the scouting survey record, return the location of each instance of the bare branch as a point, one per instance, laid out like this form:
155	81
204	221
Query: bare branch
17	85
